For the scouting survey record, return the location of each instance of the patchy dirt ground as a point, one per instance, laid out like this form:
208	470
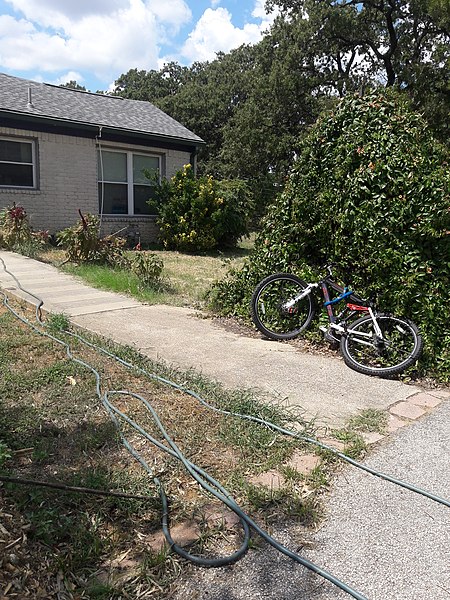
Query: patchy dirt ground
56	544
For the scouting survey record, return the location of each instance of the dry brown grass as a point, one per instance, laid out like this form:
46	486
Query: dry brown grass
56	429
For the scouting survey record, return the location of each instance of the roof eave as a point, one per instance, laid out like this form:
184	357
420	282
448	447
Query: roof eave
96	128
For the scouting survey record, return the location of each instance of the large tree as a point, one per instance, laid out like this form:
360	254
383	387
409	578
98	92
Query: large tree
390	42
253	105
250	106
152	85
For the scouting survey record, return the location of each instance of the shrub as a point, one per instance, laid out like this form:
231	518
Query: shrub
201	213
16	233
234	217
82	243
148	267
369	191
5	453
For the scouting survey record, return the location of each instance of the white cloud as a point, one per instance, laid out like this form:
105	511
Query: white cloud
259	10
69	76
104	38
173	12
215	32
108	38
58	13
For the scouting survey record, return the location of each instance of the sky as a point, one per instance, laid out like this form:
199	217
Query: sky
95	41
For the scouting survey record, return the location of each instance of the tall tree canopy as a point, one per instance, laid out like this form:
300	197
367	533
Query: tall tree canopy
253	105
386	41
73	85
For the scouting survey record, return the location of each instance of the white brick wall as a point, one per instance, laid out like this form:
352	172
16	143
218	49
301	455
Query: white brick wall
67	181
135	229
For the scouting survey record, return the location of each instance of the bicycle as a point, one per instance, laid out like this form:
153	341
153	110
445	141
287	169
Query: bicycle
379	344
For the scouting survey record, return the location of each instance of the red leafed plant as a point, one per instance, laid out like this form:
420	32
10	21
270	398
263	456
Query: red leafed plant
15	230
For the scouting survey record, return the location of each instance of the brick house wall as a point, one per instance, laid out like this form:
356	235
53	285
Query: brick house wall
66	170
67	180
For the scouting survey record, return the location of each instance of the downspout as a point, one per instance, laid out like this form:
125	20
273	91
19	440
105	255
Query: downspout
193	160
102	193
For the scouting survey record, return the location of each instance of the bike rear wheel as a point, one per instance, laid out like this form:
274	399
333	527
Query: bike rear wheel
399	348
273	311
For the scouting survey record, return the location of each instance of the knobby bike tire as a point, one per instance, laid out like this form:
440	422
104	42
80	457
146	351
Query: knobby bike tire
267	307
403	346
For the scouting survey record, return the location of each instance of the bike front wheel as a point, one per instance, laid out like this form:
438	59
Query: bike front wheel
398	348
275	310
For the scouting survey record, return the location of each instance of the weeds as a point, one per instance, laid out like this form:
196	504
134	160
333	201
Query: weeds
184	280
16	233
370	419
355	447
5	453
288	501
51	408
82	242
57	322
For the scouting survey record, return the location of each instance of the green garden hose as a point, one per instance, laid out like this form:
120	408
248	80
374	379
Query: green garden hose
207	482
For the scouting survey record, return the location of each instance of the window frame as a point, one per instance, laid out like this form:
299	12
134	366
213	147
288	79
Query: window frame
33	144
130	183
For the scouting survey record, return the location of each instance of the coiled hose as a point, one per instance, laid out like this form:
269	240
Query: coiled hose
207	482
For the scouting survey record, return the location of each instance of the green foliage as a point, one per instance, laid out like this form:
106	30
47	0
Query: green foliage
147	266
5	453
16	233
242	105
82	243
252	104
15	227
73	85
233	218
202	213
370	419
403	44
58	322
369	191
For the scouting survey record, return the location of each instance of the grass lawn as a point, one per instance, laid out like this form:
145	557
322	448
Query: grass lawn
185	280
53	427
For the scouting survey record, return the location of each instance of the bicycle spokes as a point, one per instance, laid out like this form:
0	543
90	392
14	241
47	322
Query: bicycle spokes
280	308
394	346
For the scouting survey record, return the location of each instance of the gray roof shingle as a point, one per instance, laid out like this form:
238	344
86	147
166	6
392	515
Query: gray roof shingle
77	107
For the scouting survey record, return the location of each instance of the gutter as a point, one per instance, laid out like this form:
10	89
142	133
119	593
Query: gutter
94	127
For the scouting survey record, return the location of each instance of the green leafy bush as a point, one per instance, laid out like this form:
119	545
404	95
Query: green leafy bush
202	213
148	267
82	243
368	191
5	453
16	233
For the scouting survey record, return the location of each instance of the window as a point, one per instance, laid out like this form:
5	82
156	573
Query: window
17	163
123	188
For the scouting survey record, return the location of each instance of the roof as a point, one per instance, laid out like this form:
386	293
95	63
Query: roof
85	108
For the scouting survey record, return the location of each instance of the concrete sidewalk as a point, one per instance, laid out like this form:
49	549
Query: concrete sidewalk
322	386
384	541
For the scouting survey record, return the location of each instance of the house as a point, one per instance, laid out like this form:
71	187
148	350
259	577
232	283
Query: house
62	150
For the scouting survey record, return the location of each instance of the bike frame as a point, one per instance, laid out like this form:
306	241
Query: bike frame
349	311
